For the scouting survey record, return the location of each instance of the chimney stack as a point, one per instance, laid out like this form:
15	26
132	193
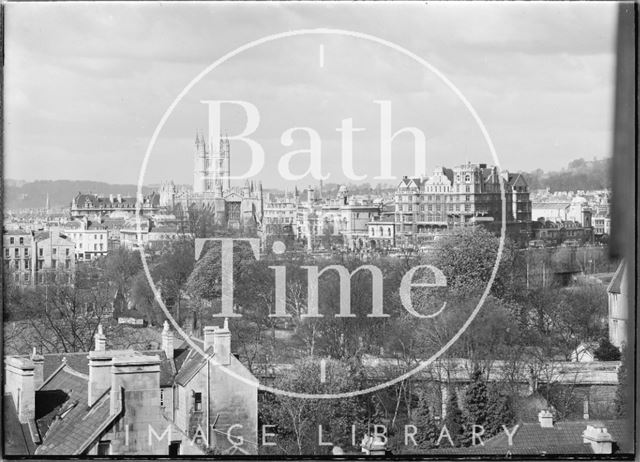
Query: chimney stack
38	369
167	340
222	344
99	374
19	381
208	337
599	438
545	418
220	339
138	375
99	367
100	339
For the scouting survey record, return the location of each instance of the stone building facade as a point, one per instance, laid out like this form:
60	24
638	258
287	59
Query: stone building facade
39	258
468	193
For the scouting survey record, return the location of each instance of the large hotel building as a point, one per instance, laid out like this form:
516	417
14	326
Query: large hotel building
469	193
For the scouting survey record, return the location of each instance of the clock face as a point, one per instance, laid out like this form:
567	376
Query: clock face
293	111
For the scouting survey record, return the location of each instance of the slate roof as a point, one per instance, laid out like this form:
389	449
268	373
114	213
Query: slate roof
192	364
65	420
17	438
616	281
550	205
72	225
562	435
16	232
564	438
96	201
515	178
80	363
514	450
409	182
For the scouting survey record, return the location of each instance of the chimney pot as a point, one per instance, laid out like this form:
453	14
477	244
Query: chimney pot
167	340
208	337
599	438
100	339
545	418
38	369
220	339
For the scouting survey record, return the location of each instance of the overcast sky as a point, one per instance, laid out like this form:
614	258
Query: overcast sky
86	84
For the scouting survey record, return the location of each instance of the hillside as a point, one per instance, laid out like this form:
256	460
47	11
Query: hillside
19	195
579	174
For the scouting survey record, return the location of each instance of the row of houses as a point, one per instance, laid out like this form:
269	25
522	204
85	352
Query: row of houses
193	398
34	256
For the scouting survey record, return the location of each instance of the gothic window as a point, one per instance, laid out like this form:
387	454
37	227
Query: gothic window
234	211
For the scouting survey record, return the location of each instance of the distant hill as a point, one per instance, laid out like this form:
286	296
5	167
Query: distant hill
579	174
19	195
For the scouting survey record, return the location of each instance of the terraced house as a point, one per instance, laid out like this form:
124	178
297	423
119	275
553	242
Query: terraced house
193	399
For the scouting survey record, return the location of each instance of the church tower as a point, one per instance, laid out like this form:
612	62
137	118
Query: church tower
201	173
211	168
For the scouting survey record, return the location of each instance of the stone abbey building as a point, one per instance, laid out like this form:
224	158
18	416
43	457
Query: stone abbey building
233	207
